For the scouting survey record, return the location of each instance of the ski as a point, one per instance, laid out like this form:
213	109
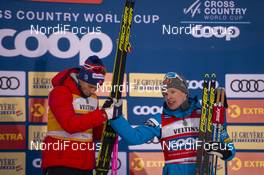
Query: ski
209	128
205	127
123	47
202	126
218	122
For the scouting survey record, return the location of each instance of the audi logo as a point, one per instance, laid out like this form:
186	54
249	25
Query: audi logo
247	85
9	83
146	110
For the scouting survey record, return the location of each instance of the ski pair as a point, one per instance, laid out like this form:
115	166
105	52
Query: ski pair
211	124
109	138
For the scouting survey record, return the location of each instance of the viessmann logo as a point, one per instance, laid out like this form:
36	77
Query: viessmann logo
245	85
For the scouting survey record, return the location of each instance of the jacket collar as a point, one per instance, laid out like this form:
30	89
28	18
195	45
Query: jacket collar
179	113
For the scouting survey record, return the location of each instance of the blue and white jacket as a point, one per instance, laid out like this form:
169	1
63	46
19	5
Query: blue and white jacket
177	131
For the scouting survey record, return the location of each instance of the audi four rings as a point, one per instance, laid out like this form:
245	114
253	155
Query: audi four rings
247	85
12	83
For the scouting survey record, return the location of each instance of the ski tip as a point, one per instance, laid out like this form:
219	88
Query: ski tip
213	75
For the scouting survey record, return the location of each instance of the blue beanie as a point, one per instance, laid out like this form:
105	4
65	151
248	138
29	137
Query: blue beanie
93	71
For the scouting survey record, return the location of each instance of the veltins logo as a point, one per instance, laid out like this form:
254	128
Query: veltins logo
73	1
12	137
246	163
245	111
244	85
39	83
12	163
146	163
12	83
247	137
12	109
38	109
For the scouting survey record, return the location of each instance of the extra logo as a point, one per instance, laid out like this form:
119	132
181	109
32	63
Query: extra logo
146	163
38	109
245	111
246	163
12	83
245	85
235	164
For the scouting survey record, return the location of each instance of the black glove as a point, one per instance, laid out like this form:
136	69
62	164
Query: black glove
110	104
219	149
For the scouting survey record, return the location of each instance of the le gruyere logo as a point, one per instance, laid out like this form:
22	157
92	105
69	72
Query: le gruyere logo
12	109
12	163
39	83
247	137
145	85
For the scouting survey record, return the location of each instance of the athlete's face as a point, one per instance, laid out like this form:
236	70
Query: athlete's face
174	98
87	88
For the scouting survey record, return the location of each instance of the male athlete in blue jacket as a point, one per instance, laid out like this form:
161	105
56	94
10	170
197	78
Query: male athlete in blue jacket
177	129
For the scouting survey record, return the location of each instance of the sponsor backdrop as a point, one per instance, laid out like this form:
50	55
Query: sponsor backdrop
192	37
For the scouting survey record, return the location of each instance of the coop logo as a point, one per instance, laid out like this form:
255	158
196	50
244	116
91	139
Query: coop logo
245	85
51	44
197	84
12	83
147	110
193	9
36	163
228	33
